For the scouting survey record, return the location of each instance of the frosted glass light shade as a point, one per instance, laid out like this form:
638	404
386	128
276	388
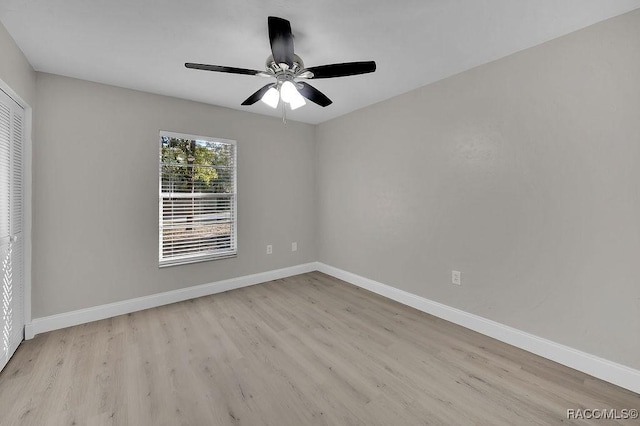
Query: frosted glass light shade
271	97
289	94
297	102
288	91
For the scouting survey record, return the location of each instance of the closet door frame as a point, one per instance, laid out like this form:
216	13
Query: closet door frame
27	194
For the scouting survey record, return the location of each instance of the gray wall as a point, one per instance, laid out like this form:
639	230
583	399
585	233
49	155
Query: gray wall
15	69
521	173
95	180
524	174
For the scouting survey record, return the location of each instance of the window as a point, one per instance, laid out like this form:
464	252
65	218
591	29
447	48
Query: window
197	199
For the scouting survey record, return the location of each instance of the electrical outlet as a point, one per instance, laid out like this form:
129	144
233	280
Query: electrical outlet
456	277
269	249
294	246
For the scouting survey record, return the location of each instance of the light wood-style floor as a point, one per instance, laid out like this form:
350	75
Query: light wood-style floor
306	350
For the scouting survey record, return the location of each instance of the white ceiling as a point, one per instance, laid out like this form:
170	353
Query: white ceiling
143	44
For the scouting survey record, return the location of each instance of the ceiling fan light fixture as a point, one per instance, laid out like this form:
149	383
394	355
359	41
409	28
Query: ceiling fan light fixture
271	97
289	94
288	91
297	102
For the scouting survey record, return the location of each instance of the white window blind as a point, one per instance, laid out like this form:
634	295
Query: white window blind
197	199
11	233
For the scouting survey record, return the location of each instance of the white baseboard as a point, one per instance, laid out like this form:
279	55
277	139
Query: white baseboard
609	371
606	370
82	316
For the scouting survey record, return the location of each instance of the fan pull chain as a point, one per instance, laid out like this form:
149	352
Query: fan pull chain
284	113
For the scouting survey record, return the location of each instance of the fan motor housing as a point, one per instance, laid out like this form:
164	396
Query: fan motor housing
271	65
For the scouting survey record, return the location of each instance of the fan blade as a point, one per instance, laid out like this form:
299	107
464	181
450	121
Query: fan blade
257	96
342	70
281	40
314	95
220	68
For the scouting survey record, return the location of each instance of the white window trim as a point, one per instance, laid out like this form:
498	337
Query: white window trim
196	258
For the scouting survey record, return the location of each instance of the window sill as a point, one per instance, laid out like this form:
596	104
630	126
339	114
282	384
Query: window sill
186	261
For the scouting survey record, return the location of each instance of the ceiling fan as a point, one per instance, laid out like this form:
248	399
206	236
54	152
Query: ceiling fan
287	68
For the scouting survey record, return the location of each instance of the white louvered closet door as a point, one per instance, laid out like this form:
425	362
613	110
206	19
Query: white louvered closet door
11	235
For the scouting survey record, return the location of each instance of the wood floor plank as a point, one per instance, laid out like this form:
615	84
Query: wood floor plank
309	349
